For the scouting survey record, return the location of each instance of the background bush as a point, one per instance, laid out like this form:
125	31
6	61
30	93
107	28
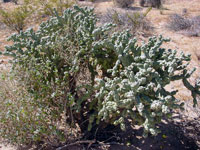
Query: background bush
191	26
151	3
96	78
20	16
178	22
135	21
17	18
46	7
123	3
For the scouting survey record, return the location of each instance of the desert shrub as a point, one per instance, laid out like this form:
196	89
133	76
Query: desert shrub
178	22
190	26
46	7
61	66
123	3
196	20
23	119
151	3
16	19
195	28
97	78
155	3
134	21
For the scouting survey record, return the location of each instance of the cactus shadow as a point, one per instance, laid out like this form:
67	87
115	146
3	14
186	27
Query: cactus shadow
181	135
176	134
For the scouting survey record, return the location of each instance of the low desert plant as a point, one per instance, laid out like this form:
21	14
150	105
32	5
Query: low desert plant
189	26
178	22
151	3
46	7
16	19
23	119
123	3
97	78
135	21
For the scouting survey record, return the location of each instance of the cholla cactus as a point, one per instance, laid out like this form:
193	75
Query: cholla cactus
132	84
136	88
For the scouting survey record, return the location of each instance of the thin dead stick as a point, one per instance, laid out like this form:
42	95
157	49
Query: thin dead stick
110	143
78	142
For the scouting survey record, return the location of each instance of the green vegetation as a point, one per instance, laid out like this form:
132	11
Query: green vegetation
16	19
73	70
19	17
134	21
47	7
22	118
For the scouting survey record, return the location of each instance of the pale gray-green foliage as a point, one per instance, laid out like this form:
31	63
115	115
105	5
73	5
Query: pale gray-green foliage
136	88
133	79
44	60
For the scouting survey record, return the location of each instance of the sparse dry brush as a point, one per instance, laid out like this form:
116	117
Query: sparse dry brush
22	118
189	25
17	18
123	3
136	22
20	16
46	7
96	78
178	22
151	3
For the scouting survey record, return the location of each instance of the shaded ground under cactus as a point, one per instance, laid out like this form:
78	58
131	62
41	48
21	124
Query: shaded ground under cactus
181	134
